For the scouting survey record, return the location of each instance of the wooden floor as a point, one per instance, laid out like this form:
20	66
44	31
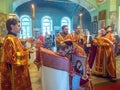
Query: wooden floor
36	82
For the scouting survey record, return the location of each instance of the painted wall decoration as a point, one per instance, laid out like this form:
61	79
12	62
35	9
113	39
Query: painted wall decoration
95	18
102	15
113	15
101	1
94	27
3	18
102	19
102	23
113	19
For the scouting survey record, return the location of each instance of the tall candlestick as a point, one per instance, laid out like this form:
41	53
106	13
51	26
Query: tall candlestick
33	16
88	36
33	11
81	19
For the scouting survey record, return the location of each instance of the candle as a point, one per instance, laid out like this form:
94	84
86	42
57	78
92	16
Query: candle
81	14
88	36
33	10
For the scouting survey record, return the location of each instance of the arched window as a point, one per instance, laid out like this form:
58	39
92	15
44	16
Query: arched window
46	25
66	21
26	26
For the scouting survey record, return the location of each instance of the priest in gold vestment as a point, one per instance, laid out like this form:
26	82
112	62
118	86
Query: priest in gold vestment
110	35
62	36
14	64
79	37
105	64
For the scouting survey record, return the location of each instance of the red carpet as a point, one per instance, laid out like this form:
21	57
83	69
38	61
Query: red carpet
111	86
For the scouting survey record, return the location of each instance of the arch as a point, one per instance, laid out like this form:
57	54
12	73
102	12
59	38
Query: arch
89	5
66	21
46	25
26	27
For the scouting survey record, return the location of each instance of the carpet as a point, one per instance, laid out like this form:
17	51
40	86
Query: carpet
108	86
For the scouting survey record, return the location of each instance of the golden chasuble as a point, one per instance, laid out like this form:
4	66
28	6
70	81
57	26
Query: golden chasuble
79	51
105	58
60	39
1	46
20	52
119	46
111	37
79	39
14	68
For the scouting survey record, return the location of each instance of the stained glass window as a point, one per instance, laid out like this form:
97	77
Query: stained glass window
66	21
26	27
46	25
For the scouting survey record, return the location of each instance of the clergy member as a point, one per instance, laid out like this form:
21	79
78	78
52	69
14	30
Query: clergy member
14	67
62	36
79	37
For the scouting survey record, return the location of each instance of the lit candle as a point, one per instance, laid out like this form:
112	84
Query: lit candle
81	14
33	10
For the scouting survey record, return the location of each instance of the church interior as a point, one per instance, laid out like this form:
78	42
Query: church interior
46	18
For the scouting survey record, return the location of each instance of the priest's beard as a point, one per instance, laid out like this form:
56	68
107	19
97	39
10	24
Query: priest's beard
77	32
65	33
